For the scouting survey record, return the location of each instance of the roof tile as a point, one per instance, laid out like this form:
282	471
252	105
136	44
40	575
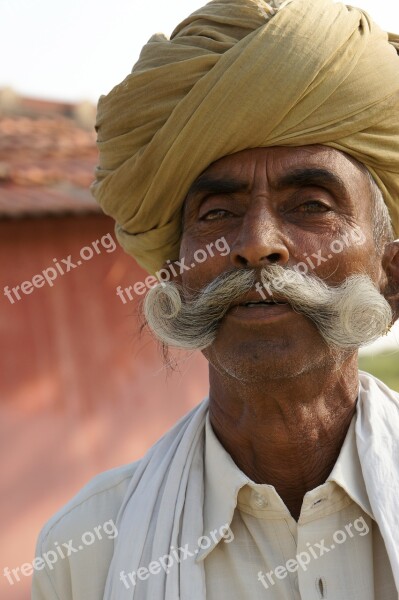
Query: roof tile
46	162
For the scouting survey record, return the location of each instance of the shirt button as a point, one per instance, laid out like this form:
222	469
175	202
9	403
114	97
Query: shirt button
259	500
317	502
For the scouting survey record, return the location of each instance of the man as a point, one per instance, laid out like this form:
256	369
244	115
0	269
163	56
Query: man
276	129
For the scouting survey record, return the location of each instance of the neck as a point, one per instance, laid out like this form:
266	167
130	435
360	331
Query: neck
287	433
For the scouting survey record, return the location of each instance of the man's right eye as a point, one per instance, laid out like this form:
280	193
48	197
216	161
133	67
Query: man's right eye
214	214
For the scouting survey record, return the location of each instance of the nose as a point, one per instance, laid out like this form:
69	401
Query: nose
259	242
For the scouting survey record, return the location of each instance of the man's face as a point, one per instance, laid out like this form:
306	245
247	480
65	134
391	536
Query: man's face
277	206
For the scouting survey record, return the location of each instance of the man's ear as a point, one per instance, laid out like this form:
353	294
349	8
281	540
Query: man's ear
390	263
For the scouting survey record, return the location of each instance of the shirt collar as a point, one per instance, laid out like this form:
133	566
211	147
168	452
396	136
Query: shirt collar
347	471
223	481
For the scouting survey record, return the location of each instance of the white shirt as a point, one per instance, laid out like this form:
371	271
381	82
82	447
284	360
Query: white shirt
341	551
76	546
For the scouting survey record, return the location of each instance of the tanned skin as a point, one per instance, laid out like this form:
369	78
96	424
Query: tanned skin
280	401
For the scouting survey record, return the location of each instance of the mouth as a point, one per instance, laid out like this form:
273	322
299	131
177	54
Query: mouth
256	303
259	310
254	300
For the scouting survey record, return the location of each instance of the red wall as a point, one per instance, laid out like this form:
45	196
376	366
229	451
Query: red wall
81	389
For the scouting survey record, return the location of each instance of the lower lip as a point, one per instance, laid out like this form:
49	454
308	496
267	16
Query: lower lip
261	313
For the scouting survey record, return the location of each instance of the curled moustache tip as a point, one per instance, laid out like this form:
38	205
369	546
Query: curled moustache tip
162	299
169	300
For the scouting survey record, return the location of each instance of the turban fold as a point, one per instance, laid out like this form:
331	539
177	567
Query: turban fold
238	74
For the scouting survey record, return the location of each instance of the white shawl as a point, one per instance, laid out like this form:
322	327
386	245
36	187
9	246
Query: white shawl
163	506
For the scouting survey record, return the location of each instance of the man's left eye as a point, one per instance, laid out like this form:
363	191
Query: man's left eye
313	206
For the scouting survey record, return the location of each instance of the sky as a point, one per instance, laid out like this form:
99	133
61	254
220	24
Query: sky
77	50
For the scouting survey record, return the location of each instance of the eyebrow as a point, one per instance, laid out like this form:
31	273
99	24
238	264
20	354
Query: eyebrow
301	177
217	185
307	177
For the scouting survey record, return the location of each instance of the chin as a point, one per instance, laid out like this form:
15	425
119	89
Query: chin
267	359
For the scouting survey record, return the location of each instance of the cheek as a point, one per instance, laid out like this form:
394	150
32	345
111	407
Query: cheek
341	257
203	262
199	275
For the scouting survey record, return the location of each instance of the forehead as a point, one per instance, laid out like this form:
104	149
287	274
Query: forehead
276	160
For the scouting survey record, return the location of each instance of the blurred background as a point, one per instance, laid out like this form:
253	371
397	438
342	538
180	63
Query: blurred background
81	389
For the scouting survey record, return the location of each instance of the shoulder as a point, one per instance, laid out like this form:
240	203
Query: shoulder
377	408
102	496
372	385
81	537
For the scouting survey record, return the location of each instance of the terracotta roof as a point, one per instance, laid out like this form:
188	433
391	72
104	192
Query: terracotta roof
28	201
47	160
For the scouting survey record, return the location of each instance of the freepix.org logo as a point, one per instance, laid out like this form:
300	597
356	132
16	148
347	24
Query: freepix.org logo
61	551
313	552
176	556
311	262
174	269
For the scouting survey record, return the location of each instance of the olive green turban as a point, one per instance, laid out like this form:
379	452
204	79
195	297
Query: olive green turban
239	74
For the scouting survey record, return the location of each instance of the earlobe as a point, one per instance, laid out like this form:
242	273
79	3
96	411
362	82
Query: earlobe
390	263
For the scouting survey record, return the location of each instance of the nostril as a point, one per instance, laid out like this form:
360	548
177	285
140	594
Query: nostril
241	260
275	257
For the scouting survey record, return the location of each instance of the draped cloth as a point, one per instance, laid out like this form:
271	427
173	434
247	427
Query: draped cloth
163	506
240	74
